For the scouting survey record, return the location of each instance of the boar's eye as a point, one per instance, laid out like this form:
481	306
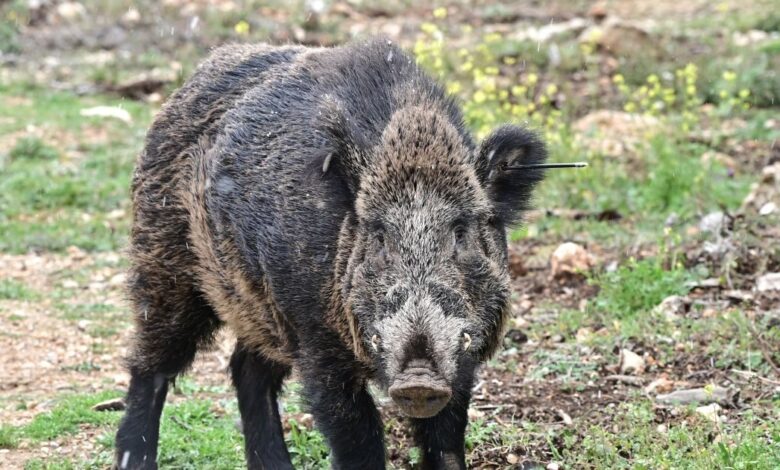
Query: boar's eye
459	234
379	242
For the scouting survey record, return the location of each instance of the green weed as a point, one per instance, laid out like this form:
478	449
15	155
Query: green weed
70	414
9	437
12	289
307	447
637	287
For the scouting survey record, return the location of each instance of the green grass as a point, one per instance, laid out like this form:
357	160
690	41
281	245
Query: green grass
70	415
637	287
54	195
11	289
9	438
193	435
307	447
633	441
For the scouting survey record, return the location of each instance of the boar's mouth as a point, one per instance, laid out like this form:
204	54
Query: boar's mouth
418	391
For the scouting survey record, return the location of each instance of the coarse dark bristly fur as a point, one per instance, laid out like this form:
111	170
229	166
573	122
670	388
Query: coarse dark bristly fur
330	207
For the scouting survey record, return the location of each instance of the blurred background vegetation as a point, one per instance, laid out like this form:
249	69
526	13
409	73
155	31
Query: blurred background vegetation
653	271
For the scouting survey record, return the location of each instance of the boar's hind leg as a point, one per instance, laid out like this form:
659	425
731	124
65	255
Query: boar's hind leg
170	328
258	381
343	409
442	437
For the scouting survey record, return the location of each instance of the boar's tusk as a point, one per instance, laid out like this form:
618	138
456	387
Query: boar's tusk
375	342
466	341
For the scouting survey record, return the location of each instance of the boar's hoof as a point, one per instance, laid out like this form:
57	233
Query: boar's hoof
419	392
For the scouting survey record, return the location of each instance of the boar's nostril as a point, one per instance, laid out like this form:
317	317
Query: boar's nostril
419	391
420	401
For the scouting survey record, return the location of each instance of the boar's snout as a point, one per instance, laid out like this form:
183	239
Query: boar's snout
419	391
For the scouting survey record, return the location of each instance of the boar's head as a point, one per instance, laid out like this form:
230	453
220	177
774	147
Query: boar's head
427	279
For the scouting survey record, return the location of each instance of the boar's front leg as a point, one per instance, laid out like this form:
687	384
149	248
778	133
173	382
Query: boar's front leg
442	437
258	381
343	409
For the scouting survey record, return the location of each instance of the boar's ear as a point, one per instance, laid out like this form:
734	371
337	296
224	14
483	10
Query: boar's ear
344	154
510	189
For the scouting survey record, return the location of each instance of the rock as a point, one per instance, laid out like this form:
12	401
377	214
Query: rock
512	459
672	307
750	37
765	194
720	395
625	379
721	158
70	11
517	336
144	85
569	259
615	133
117	280
622	38
70	284
631	362
108	112
767	282
565	417
738	295
76	253
550	31
598	11
115	404
516	264
475	413
131	17
768	208
710	412
712	222
553	466
584	334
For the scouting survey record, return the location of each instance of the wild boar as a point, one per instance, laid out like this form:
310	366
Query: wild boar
329	206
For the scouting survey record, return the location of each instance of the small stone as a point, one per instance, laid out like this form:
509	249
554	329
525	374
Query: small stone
767	282
131	16
115	404
76	253
70	284
631	362
553	466
570	259
712	222
512	459
768	208
672	307
710	412
108	112
584	334
71	10
698	395
709	313
721	158
662	428
598	11
517	336
307	420
661	384
117	279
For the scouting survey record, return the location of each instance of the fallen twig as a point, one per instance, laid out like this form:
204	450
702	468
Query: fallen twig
754	375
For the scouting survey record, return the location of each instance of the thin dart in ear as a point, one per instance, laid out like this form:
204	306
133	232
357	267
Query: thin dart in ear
548	165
